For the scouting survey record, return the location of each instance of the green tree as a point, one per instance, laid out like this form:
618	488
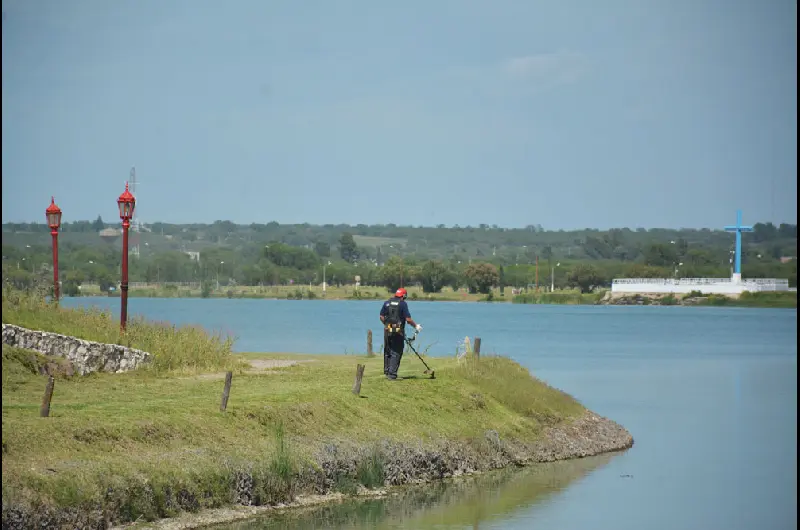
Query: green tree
19	278
434	275
98	224
323	249
481	277
585	277
661	255
104	279
764	232
288	256
70	286
347	247
646	271
392	273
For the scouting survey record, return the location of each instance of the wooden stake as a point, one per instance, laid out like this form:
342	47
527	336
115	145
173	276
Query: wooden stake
359	375
226	392
369	344
477	347
44	412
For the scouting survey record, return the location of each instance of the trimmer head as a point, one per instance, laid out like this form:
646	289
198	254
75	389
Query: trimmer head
409	340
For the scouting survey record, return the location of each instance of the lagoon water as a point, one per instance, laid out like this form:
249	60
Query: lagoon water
709	394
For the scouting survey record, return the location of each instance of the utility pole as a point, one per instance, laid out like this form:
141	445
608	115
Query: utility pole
135	225
537	273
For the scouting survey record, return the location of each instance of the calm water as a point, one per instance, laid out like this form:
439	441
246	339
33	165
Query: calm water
709	394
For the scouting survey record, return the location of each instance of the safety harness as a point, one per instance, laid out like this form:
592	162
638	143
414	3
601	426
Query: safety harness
393	323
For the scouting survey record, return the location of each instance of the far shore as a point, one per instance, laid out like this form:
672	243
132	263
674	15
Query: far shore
531	295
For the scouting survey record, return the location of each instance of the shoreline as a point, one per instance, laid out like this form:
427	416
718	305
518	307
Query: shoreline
763	300
590	435
587	436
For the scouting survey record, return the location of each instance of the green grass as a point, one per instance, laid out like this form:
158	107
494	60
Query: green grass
561	297
185	348
776	299
767	299
148	436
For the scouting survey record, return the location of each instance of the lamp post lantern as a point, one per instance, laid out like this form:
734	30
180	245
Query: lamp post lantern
126	203
53	214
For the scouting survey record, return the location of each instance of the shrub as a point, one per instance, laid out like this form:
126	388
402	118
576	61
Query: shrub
669	300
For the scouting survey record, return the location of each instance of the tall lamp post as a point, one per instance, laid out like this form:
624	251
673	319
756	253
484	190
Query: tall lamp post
53	214
126	203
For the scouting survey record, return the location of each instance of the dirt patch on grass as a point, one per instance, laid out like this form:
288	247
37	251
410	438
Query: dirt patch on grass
259	367
267	364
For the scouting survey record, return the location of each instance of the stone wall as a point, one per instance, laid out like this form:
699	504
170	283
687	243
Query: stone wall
86	356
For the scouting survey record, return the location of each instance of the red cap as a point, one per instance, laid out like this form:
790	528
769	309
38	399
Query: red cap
401	293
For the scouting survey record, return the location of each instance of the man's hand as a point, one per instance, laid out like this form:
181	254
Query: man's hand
418	328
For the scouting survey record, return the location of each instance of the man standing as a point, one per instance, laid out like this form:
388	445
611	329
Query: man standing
394	316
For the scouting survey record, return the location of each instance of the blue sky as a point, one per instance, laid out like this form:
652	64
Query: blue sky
564	113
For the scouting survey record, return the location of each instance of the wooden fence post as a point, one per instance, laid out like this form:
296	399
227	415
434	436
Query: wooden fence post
477	347
44	412
226	392
359	375
369	344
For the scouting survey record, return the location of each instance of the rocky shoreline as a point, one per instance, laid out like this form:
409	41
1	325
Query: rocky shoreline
318	482
651	299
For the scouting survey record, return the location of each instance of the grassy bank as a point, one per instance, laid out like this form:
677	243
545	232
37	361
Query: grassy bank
130	444
174	348
748	299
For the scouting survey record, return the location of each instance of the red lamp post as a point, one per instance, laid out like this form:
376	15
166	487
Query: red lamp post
126	203
53	214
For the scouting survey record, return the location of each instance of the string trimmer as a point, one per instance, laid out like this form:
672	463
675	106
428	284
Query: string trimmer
411	339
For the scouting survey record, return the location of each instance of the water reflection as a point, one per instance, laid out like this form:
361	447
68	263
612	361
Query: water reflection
466	502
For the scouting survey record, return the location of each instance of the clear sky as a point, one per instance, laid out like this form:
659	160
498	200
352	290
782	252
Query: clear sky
564	113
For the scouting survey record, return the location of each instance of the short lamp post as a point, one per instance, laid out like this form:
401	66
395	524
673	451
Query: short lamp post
53	214
126	203
553	276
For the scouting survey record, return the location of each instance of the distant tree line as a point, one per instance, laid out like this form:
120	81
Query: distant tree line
476	258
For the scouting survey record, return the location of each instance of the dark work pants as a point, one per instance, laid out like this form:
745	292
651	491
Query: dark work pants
393	344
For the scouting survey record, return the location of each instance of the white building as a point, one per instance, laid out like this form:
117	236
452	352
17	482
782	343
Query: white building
729	286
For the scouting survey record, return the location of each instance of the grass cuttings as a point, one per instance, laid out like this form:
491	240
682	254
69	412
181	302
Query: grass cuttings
184	348
136	440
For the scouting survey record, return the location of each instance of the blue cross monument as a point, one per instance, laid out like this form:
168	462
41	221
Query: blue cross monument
737	271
